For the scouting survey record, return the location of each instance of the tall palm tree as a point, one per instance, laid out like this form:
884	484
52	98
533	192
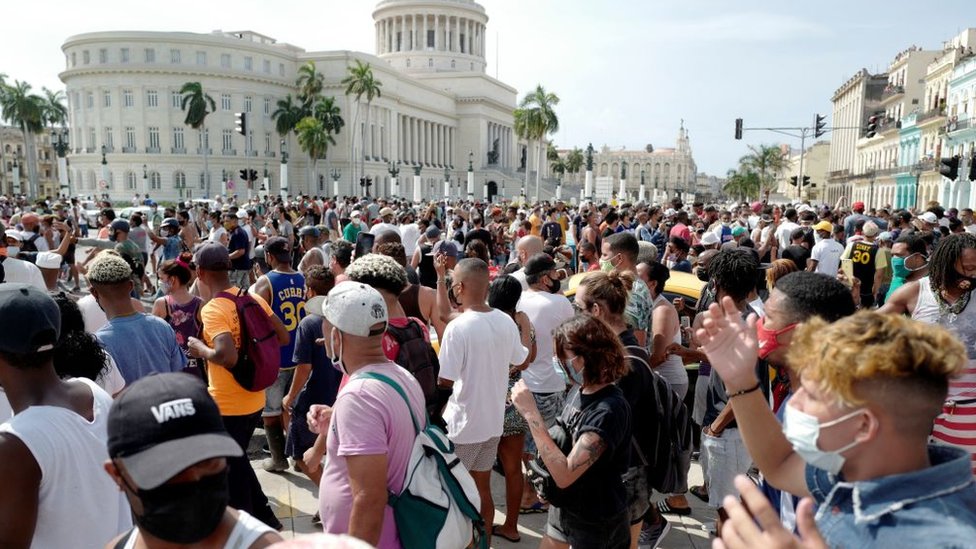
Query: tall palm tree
24	109
313	138
574	162
3	159
195	105
359	81
541	120
55	114
327	110
767	162
310	84
742	184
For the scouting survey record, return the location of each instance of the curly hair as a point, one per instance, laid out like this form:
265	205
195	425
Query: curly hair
379	271
946	254
394	250
78	353
856	356
320	279
778	269
109	268
735	272
604	359
610	289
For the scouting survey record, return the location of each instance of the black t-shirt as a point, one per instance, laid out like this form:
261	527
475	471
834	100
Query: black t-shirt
239	241
425	269
637	386
551	230
863	257
479	234
599	493
798	255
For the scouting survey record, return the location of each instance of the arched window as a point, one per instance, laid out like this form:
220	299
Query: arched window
130	180
91	179
614	170
155	182
179	180
203	181
603	169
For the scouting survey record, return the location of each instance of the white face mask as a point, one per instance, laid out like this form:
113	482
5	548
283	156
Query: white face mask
335	355
12	251
803	431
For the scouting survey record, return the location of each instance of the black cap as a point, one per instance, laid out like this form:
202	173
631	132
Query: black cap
278	247
212	257
164	423
538	264
30	320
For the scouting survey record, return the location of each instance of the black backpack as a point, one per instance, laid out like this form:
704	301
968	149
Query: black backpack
417	356
29	244
667	435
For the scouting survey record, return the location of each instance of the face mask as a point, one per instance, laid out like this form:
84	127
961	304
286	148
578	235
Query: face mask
554	286
166	287
12	251
209	225
574	377
606	265
898	267
335	355
670	262
769	339
803	430
186	512
702	274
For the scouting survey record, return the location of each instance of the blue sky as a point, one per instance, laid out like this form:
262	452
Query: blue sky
627	71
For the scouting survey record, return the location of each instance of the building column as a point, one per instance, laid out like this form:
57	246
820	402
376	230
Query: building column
457	34
413	32
467	36
437	33
423	43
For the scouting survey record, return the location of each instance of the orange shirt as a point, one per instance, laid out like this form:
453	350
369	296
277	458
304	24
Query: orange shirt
536	225
220	317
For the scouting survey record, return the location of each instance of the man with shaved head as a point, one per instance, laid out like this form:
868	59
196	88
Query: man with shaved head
477	349
526	247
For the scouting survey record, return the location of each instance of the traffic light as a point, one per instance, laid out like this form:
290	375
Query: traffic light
819	123
793	181
950	167
872	127
738	128
806	180
243	175
253	175
240	122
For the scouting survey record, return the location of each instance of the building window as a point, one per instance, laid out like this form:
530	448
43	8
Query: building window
109	140
225	60
281	70
85	57
176	100
225	101
90	100
124	55
155	182
430	39
178	138
247	103
203	181
248	63
130	137
201	58
430	62
267	142
179	180
130	180
266	66
103	56
150	55
74	59
228	140
175	57
152	98
267	105
154	138
91	138
106	98
126	98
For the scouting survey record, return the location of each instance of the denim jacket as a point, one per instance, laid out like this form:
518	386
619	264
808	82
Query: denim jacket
933	507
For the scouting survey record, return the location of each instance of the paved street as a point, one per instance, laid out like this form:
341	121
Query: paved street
293	498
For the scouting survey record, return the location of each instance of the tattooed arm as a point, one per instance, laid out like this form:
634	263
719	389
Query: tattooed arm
565	470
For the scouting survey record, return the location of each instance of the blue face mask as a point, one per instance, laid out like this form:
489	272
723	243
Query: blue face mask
569	371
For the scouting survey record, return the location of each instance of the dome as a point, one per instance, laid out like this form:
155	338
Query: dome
431	36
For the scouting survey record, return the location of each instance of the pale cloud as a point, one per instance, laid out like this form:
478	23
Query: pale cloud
739	27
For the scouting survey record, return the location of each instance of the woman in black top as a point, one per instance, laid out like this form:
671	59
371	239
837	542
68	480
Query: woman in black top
594	513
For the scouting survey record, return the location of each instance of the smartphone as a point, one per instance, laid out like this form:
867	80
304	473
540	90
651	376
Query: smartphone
847	266
685	322
364	244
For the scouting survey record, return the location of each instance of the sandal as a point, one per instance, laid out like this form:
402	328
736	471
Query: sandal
699	492
536	507
495	532
665	509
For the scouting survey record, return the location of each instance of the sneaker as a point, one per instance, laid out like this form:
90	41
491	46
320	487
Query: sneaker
651	535
272	466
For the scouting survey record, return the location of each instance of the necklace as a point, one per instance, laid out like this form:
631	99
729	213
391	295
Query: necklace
950	310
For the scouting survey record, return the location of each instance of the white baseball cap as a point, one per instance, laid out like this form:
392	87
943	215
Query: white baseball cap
929	217
48	260
709	238
352	307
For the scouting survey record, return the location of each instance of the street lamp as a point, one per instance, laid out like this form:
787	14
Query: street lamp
145	176
104	150
394	172
59	139
917	169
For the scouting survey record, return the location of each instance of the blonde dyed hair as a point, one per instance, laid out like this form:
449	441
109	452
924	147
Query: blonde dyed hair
849	357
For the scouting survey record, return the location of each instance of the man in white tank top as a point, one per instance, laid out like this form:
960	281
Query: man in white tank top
52	491
168	448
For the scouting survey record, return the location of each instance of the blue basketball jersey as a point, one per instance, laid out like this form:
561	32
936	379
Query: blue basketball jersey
288	302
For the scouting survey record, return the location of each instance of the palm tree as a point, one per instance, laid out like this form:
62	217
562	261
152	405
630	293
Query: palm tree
574	162
359	81
195	104
3	159
24	109
541	120
327	110
313	138
310	84
742	184
767	162
521	126
55	113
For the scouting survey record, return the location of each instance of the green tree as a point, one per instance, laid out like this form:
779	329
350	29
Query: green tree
55	112
767	162
3	159
741	184
25	110
310	84
197	104
359	81
536	118
314	139
574	162
286	115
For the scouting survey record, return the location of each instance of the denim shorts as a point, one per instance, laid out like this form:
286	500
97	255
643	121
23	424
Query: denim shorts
274	394
638	494
565	527
550	406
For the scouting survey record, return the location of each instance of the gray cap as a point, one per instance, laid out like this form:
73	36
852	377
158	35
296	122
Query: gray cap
30	321
212	257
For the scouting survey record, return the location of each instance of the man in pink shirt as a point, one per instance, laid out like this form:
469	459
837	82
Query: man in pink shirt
371	429
681	226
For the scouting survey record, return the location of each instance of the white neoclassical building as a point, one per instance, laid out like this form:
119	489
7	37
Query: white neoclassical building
667	171
438	112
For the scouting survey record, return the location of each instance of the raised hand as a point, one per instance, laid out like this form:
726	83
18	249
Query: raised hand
730	344
753	524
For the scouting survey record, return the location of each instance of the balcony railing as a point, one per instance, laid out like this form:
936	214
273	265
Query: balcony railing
892	91
955	124
229	152
178	150
152	150
109	149
269	154
128	149
930	114
201	149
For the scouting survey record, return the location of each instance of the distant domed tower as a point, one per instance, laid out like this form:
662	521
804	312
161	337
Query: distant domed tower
431	36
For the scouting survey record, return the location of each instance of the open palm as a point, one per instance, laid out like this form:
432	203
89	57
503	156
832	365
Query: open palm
730	344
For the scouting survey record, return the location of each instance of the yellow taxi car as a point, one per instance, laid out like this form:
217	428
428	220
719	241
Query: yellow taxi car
685	285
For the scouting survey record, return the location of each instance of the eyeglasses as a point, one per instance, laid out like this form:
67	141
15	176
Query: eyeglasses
581	307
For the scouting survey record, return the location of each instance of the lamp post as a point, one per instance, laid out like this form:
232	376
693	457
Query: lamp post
336	174
16	173
394	183
366	182
104	184
417	194
59	139
642	188
447	184
145	181
470	177
264	179
917	172
284	170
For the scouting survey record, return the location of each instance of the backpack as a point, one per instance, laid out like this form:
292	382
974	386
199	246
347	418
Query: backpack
439	506
563	434
29	244
259	357
417	356
667	435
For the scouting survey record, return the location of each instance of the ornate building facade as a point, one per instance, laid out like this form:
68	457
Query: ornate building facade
669	171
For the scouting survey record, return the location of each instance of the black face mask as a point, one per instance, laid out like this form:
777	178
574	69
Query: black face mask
702	274
186	512
961	281
554	286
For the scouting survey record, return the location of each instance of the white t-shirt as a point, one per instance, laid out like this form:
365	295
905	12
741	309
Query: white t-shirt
827	253
520	276
111	378
546	311
78	504
93	315
6	412
476	352
384	227
409	234
216	233
16	270
784	232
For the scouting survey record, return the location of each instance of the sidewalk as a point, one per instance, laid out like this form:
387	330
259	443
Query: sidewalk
293	497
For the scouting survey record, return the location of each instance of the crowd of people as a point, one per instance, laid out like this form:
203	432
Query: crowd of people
834	401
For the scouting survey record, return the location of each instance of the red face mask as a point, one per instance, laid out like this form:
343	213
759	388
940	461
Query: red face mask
769	339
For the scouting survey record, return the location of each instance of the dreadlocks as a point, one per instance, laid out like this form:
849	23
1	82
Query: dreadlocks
946	254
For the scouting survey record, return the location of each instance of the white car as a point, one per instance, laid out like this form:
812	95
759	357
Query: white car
126	213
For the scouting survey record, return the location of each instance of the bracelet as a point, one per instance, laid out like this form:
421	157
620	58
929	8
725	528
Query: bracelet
745	391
